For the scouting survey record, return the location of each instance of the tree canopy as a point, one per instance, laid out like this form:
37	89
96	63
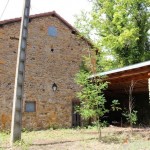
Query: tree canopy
120	28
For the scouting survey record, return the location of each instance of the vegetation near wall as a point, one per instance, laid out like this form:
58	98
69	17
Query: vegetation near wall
121	28
91	96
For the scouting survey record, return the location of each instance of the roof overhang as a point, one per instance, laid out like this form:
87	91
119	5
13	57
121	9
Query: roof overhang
120	79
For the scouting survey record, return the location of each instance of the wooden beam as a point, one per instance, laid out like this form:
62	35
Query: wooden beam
125	90
138	77
111	77
123	87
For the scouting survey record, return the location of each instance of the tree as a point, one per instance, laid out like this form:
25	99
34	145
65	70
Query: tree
92	100
91	96
121	28
131	114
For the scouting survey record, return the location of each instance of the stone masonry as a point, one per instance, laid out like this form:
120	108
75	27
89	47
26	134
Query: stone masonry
49	60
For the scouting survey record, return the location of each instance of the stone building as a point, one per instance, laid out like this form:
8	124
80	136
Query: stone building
54	54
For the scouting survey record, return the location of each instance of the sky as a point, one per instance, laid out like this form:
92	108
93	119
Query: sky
65	8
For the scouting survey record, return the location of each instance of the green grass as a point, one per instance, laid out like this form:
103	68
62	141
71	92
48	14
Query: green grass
4	137
83	137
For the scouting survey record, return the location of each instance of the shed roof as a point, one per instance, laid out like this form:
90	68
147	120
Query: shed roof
127	68
120	79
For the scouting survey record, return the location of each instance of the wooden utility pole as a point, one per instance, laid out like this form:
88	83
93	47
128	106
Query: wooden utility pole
16	125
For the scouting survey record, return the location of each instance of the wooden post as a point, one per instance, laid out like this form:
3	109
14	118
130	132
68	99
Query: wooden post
149	89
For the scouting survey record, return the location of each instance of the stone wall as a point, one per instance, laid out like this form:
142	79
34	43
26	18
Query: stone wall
48	60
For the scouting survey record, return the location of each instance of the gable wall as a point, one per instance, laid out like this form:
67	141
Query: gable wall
43	68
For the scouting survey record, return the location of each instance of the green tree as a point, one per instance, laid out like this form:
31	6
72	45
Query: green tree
92	99
121	28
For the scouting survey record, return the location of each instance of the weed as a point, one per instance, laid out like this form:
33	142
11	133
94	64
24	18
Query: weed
3	137
21	144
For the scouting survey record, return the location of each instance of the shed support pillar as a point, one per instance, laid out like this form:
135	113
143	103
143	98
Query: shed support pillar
149	89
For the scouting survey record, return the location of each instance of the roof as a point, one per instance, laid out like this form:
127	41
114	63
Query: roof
127	68
120	79
52	13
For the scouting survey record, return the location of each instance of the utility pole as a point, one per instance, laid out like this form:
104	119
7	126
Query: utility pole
16	124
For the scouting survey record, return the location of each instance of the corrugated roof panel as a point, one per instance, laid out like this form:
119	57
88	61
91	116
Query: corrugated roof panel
139	65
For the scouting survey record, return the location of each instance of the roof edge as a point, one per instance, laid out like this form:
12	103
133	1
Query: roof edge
52	13
130	67
31	16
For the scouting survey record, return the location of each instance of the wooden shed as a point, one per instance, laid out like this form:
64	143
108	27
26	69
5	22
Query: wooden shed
119	84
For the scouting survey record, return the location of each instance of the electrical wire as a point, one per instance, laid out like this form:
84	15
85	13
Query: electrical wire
4	10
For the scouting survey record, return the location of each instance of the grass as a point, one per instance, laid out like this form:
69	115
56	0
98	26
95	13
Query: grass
3	139
139	144
82	139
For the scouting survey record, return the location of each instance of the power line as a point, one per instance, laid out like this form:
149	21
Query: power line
4	10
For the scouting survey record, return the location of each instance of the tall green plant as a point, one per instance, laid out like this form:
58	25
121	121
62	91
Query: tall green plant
92	100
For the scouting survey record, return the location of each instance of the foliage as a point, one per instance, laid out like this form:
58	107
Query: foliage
3	137
92	99
131	117
101	124
91	96
21	144
121	28
115	105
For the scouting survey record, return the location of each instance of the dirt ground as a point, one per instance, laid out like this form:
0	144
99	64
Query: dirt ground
113	138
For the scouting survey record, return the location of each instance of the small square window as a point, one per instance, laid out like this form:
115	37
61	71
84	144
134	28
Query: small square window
52	31
30	106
